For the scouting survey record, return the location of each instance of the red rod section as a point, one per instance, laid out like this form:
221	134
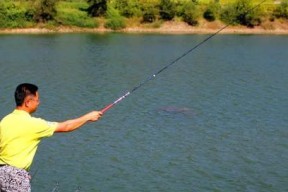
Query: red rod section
115	102
107	108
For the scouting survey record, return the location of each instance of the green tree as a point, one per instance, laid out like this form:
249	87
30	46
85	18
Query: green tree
241	12
212	11
150	12
167	10
128	8
45	10
97	7
191	13
114	20
13	15
281	10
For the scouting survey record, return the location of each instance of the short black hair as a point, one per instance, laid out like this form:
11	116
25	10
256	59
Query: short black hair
22	91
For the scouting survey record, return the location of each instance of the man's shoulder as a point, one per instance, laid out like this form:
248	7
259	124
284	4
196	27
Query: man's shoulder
8	116
16	117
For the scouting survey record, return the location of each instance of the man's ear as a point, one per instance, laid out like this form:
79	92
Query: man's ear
26	102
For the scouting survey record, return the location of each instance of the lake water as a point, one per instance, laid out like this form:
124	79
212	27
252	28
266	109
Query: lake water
215	121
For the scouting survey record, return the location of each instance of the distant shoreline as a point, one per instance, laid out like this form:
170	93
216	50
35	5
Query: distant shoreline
165	28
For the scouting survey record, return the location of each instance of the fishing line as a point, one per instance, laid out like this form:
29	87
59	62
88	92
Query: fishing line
105	109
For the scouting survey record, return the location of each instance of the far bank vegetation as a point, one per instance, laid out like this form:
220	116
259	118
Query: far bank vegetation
119	14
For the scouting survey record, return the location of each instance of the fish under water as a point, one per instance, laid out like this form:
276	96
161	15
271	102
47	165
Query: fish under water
177	110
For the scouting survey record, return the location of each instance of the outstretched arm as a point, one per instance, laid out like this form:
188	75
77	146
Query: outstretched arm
73	124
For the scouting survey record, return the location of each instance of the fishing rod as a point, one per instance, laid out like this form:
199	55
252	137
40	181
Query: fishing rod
105	109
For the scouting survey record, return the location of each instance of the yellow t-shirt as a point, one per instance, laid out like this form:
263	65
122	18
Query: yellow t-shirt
20	134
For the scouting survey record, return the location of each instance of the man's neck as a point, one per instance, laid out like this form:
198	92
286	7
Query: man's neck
23	109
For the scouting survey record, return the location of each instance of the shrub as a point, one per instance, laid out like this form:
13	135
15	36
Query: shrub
191	13
74	14
12	15
281	10
115	23
97	7
114	20
128	8
76	18
241	12
212	11
30	14
148	17
167	11
45	10
149	12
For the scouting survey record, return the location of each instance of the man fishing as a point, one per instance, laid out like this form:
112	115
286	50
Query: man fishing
20	134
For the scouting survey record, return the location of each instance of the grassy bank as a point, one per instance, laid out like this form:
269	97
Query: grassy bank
170	16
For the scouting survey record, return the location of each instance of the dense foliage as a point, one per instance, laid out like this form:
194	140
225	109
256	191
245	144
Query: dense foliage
166	9
45	10
212	11
114	20
190	13
282	10
97	7
12	15
115	13
242	12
